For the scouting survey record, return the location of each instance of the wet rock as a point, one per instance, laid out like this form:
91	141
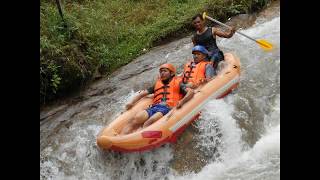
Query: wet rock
85	111
97	92
186	156
242	21
142	162
137	72
45	115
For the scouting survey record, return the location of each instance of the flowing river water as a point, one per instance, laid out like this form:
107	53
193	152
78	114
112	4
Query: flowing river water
237	137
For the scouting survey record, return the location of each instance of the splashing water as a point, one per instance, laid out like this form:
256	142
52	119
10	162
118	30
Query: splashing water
245	127
237	137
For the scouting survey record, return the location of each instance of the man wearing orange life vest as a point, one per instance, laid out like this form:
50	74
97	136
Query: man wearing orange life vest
198	70
169	92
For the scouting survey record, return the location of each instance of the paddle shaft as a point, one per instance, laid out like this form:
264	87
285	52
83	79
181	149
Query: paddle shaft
222	24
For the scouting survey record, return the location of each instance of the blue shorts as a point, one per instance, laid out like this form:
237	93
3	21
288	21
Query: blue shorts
157	108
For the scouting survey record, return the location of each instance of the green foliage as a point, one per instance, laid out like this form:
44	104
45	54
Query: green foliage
49	78
107	34
55	81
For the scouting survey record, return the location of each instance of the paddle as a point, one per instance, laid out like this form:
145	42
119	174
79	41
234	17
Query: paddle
264	44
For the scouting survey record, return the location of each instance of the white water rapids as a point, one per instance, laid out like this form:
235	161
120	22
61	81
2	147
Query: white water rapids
237	137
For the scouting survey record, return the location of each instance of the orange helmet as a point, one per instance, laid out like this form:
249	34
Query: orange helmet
169	66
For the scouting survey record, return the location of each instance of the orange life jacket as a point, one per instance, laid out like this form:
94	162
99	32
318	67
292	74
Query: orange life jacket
195	74
170	93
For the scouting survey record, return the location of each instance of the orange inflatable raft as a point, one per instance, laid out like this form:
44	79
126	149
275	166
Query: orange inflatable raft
170	126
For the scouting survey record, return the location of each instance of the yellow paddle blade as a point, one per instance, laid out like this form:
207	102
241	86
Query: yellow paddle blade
265	44
204	15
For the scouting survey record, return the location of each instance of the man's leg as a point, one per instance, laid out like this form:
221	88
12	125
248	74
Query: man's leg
153	119
216	59
134	123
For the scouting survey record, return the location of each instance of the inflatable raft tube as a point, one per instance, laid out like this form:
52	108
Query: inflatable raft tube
167	129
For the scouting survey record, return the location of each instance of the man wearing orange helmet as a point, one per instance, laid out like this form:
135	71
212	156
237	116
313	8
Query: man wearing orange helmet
169	92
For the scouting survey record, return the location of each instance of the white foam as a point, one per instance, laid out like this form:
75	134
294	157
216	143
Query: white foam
260	162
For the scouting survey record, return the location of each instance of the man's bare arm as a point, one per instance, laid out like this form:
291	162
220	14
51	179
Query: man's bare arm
136	98
220	33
